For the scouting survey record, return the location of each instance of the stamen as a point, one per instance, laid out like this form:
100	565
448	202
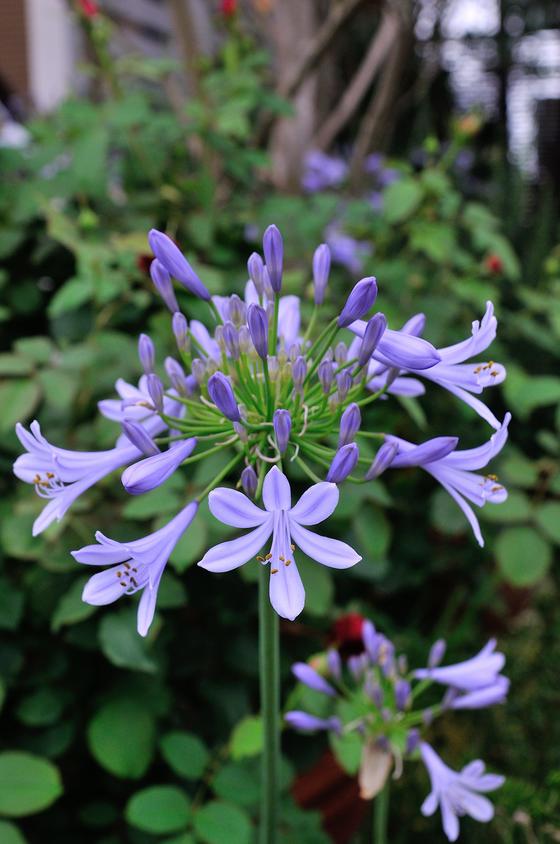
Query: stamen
261	559
287	562
274	571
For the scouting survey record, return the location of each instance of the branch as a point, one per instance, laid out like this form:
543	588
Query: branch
364	76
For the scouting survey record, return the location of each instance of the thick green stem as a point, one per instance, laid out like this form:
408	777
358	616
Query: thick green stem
381	815
269	658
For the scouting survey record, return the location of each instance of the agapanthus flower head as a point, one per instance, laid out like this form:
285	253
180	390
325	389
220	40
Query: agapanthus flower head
288	527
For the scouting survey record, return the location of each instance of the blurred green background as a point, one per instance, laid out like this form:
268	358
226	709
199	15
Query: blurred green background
208	123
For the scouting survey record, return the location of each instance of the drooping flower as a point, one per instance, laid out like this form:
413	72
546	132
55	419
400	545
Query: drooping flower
456	470
61	475
133	566
286	524
457	793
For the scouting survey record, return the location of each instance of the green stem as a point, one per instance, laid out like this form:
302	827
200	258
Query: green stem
269	658
381	815
219	477
273	336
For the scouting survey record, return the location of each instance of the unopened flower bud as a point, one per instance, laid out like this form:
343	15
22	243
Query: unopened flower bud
350	422
219	337
359	301
249	481
139	437
325	374
321	269
237	310
382	461
294	352
437	652
255	267
312	679
199	371
370	639
257	322
334	663
221	393
191	385
155	391
402	694
373	333
343	463
176	375
146	353
180	328
176	264
343	383
374	692
273	368
164	285
231	340
412	741
282	428
244	338
273	249
299	371
268	291
241	431
340	353
357	665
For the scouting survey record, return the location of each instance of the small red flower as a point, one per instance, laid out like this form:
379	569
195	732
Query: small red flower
228	8
494	264
347	631
89	8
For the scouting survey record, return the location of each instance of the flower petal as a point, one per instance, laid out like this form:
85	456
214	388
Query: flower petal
276	491
101	555
230	555
103	588
286	591
147	605
466	508
427	452
405	351
323	549
233	508
316	504
153	471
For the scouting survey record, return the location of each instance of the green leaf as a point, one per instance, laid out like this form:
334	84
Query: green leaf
445	515
70	608
11	605
41	708
515	508
238	782
247	737
14	365
348	750
10	834
185	753
401	199
548	519
217	822
35	349
59	388
153	503
190	547
319	586
18	400
121	643
121	737
70	296
159	809
519	470
523	555
28	784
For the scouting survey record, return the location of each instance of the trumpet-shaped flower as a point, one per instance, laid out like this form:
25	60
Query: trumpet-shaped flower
456	470
286	525
61	475
135	405
457	793
133	566
152	471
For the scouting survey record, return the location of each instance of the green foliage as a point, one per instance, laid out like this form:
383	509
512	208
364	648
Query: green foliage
28	784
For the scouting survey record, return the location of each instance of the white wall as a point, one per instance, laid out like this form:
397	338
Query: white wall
51	43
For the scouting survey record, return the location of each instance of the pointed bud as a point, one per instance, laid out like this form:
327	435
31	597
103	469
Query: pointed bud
310	678
412	741
176	264
176	375
325	374
350	422
343	383
334	663
231	340
241	431
303	721
299	371
370	639
273	249
359	302
382	461
199	370
237	310
344	462
245	342
373	333
282	429
340	353
221	393
249	481
257	322
402	694
255	267
139	437
155	391
146	353
164	285
180	328
437	652
321	270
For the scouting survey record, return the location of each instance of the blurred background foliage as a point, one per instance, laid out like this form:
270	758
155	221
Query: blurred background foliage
125	740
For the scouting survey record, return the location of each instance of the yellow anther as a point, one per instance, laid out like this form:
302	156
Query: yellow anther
293	547
274	571
287	563
260	559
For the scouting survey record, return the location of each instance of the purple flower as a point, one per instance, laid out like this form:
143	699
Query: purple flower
373	332
139	565
334	663
361	298
496	692
204	341
273	249
282	428
155	391
321	269
437	652
176	264
221	393
346	250
402	694
164	285
322	171
299	371
255	268
249	481
350	422
382	460
455	471
60	475
151	472
311	678
457	793
288	313
135	405
231	340
343	384
325	374
286	525
146	353
480	673
343	463
397	349
257	321
303	721
140	438
180	327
